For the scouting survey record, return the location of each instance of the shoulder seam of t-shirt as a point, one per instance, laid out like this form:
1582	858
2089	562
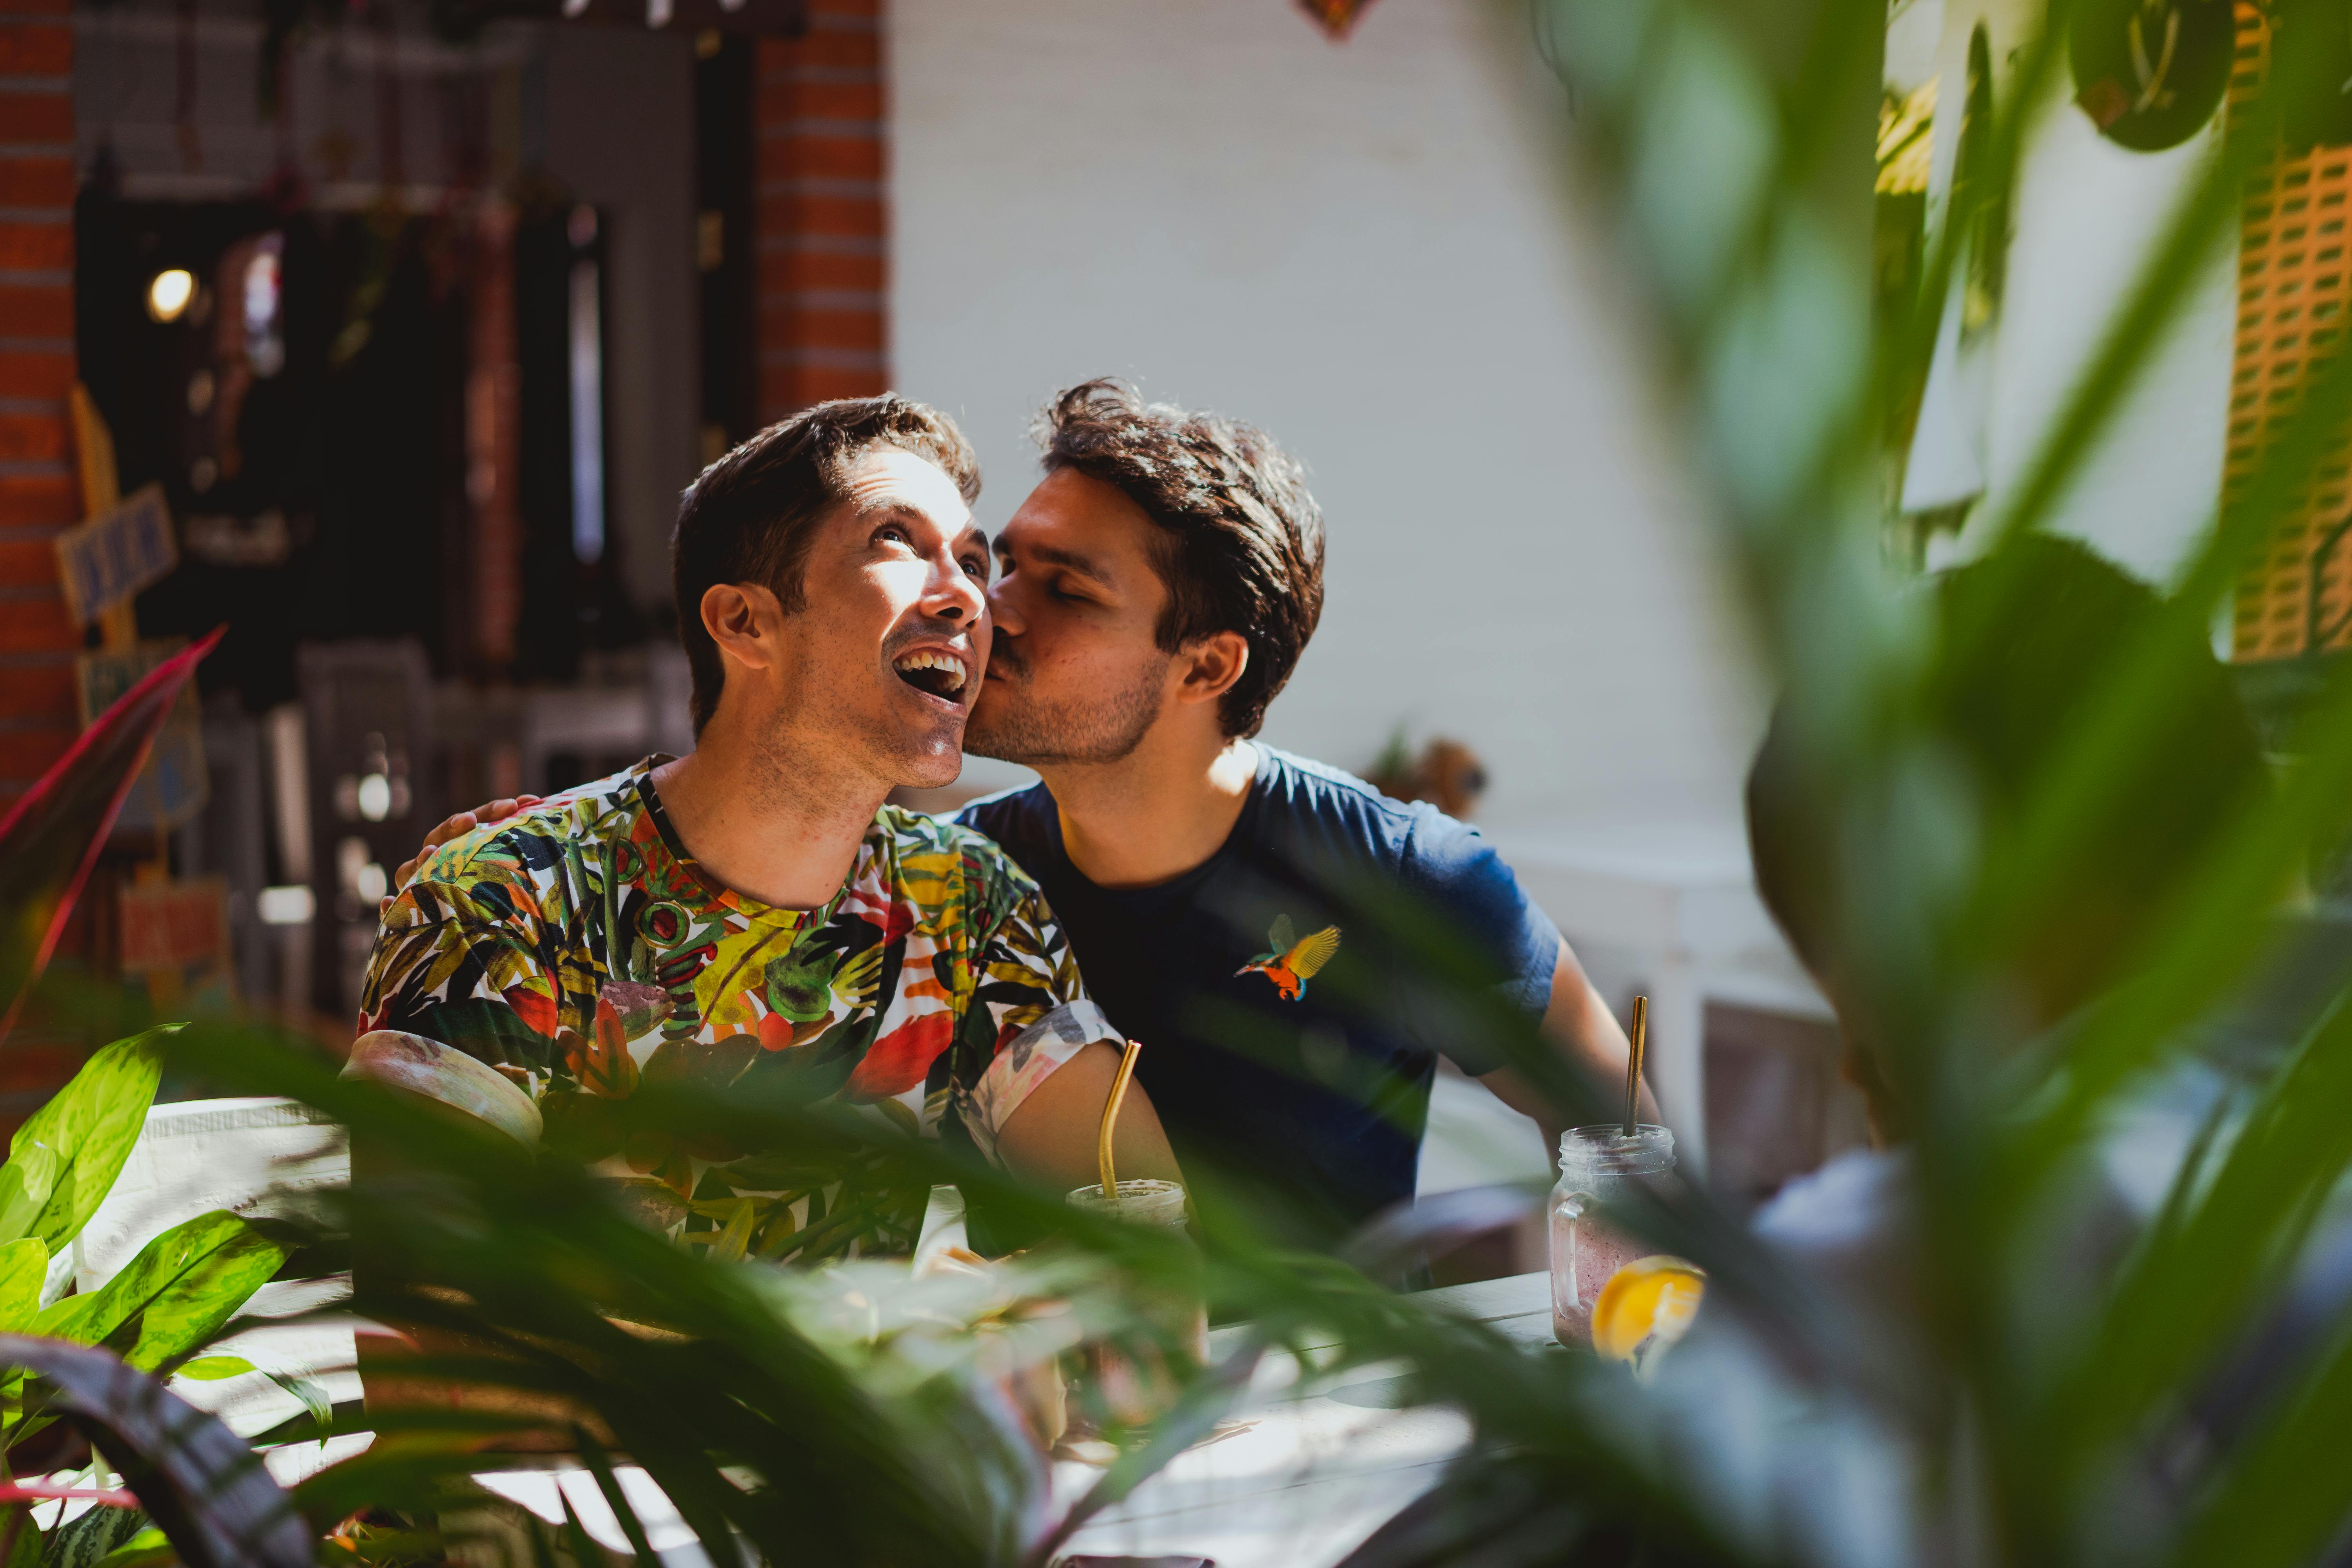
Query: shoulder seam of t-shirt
1409	816
994	797
1363	789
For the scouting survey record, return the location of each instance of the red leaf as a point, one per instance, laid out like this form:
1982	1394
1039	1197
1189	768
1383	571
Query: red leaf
897	1061
40	1491
51	839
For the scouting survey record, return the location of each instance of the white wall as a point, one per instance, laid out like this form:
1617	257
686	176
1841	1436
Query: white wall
2087	216
1359	247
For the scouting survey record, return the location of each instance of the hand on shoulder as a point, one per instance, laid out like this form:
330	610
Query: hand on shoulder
454	828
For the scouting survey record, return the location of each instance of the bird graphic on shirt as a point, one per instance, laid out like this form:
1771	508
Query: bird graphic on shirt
1293	960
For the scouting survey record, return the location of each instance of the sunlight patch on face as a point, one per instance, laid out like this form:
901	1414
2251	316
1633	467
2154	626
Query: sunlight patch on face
890	477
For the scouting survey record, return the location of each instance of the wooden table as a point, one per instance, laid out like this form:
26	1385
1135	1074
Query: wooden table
1316	1473
1311	1475
1300	1486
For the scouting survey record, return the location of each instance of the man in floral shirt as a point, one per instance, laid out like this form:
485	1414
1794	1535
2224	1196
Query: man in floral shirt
754	914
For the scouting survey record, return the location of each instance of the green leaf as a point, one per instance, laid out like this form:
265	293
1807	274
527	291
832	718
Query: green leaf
83	1540
737	1237
23	1266
147	1549
2196	1285
607	1482
22	1538
182	1288
584	1549
542	1553
19	1205
312	1394
63	1160
214	1368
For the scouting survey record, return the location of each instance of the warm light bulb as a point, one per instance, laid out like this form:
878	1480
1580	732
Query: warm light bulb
375	797
168	295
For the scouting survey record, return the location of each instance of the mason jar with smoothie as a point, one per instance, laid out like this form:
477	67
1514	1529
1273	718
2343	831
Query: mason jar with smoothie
1598	1165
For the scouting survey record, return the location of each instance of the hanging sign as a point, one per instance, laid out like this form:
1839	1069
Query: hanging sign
103	562
175	925
175	937
174	784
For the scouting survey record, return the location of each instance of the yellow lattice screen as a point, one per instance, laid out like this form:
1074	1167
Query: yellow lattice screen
2291	301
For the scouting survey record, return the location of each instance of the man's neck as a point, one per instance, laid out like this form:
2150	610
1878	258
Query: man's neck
764	826
1156	813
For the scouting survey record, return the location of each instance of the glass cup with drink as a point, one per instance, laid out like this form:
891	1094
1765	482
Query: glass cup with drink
1598	1166
1133	1388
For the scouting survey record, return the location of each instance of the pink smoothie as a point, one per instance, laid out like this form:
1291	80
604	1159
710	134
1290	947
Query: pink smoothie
1585	1251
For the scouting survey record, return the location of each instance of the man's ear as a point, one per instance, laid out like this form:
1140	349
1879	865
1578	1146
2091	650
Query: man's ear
745	620
1211	666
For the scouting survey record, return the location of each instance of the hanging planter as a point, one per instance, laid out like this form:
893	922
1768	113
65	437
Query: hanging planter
2150	73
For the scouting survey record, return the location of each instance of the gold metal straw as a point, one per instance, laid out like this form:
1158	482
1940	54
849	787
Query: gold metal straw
1632	1065
1110	1119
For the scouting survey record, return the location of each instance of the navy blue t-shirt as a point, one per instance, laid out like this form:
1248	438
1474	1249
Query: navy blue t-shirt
1315	1086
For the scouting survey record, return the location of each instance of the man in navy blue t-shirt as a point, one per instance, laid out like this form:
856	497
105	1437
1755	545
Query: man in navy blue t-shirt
1262	923
1259	920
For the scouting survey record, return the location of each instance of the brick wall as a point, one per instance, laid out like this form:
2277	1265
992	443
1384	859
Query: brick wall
823	213
39	494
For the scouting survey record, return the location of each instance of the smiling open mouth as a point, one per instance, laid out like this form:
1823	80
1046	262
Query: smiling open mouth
936	673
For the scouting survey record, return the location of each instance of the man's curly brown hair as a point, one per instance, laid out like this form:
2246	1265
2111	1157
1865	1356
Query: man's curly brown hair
1241	545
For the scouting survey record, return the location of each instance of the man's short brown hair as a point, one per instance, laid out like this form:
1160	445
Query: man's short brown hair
753	515
1240	543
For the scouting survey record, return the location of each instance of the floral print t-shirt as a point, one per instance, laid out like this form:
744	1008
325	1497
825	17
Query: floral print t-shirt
579	949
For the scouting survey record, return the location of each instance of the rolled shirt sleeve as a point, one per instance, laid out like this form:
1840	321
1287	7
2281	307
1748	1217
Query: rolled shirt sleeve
1039	1006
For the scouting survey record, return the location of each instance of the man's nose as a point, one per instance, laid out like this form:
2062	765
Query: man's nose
1005	608
952	594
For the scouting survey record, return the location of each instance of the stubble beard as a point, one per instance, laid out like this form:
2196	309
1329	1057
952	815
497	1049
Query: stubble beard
1035	734
823	743
800	762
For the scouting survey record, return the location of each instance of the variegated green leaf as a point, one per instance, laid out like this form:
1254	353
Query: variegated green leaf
63	1160
180	1289
214	1368
24	1267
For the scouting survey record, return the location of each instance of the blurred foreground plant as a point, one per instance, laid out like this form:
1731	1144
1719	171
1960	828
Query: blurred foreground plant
159	1308
2185	1398
2031	1398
